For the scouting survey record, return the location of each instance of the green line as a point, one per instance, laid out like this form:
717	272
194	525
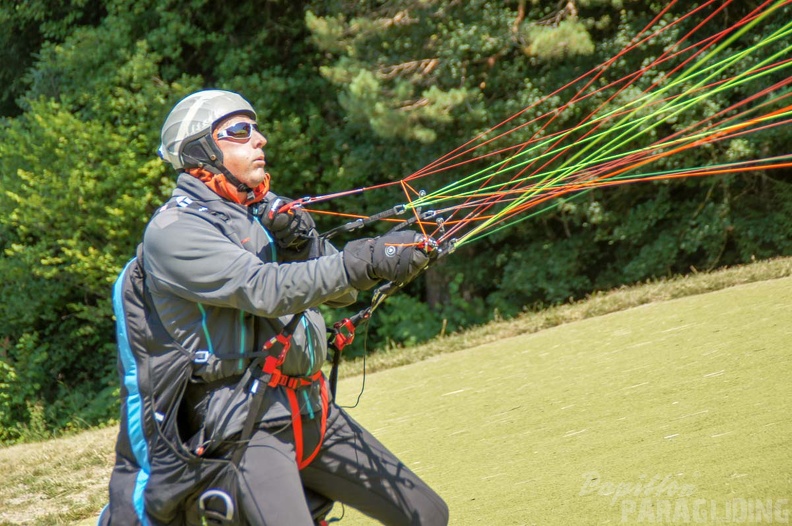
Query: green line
674	109
468	238
723	45
671	109
732	83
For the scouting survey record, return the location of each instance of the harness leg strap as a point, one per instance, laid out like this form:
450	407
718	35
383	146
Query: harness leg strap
297	423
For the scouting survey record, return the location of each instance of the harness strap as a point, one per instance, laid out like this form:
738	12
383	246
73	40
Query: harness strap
297	419
290	382
272	365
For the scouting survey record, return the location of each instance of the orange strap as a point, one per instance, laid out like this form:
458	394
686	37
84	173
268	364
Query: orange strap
272	365
297	419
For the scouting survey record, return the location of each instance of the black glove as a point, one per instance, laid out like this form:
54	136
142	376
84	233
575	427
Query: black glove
292	229
395	257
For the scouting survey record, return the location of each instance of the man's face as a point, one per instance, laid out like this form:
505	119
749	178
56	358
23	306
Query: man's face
243	157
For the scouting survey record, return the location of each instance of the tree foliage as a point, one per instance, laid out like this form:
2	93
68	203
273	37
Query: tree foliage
350	94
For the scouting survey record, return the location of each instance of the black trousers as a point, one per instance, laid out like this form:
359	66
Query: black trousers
352	467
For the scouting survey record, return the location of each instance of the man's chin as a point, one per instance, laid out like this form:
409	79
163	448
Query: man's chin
258	177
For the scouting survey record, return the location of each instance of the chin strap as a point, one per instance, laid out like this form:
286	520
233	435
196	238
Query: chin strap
215	163
206	161
250	195
204	154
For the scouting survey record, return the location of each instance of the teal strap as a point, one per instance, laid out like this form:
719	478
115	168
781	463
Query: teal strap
206	328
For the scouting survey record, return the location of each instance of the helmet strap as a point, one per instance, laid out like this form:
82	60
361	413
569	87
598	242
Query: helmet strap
204	153
241	187
218	183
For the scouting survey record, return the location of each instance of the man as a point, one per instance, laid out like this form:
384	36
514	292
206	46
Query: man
235	277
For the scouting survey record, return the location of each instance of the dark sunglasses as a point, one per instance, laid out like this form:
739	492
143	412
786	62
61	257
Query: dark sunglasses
238	131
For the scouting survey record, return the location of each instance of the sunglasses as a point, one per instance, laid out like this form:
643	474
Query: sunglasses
238	131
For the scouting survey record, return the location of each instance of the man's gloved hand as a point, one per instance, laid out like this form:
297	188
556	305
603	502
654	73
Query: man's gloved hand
292	229
394	257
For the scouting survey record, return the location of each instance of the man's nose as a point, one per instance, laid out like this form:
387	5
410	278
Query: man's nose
259	141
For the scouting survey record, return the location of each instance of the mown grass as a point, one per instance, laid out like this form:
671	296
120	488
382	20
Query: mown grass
673	412
539	420
595	305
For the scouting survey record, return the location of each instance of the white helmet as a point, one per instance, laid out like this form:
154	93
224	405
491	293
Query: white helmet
187	132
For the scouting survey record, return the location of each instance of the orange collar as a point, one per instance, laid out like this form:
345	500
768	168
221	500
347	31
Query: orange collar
220	185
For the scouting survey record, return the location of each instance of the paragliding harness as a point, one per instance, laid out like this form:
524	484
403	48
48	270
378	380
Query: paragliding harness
159	477
216	506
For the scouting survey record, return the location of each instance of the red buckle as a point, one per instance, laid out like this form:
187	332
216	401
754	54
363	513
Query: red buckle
271	365
292	382
341	339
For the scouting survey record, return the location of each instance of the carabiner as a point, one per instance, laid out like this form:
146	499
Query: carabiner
215	516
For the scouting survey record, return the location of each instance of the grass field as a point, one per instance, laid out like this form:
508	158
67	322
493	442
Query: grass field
674	412
671	412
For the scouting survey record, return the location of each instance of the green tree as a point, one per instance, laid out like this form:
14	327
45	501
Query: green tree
27	26
80	177
350	95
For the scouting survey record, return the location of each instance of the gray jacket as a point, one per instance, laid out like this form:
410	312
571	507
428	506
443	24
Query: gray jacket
221	287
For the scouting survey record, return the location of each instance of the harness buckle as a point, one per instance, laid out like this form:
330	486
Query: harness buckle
201	357
341	339
292	382
271	367
216	507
